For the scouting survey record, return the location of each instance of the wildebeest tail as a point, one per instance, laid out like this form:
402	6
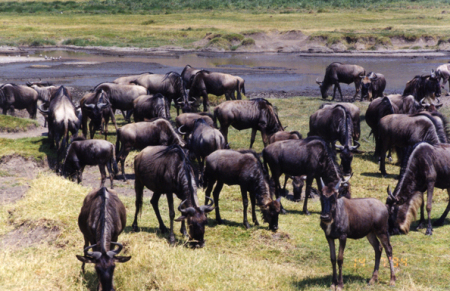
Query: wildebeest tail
216	112
114	161
239	96
118	142
243	88
297	134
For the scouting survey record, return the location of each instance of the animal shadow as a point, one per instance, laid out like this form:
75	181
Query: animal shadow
378	175
213	222
128	176
90	277
323	281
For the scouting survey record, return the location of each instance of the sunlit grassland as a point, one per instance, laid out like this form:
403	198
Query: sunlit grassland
12	124
294	258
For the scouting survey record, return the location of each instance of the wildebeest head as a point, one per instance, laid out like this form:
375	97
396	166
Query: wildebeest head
270	213
323	88
104	264
95	109
430	107
346	155
328	201
432	85
366	84
175	81
392	204
196	220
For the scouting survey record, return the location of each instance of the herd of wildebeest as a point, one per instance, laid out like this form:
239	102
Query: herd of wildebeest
408	123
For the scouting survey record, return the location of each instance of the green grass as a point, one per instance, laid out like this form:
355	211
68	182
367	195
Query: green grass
294	258
15	124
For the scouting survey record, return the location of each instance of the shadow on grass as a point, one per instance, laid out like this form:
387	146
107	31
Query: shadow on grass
212	222
294	211
378	175
90	278
120	176
323	281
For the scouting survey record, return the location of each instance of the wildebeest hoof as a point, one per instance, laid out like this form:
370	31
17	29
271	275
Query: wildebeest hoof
283	211
429	231
247	225
373	280
420	226
333	287
256	223
135	228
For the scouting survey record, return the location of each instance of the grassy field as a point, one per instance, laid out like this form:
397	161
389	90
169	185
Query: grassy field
11	124
294	258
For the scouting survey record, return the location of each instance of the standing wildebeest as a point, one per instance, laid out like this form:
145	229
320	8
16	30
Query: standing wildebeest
443	71
354	113
401	131
187	73
242	168
90	152
62	119
185	122
425	168
257	114
102	218
205	82
149	107
311	157
335	123
337	73
121	96
343	218
14	96
425	86
97	108
203	141
167	170
372	86
141	134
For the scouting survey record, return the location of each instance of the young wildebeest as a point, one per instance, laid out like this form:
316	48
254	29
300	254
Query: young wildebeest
425	168
205	82
185	122
102	218
203	141
167	170
335	123
90	152
354	113
242	168
425	86
343	218
311	157
141	134
401	131
149	107
14	96
372	85
257	114
337	73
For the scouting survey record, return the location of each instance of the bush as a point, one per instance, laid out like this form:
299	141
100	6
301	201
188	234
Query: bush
248	41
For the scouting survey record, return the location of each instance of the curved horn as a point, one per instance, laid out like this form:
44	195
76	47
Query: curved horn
187	211
304	177
279	199
321	182
339	147
338	185
115	252
390	195
91	106
95	255
207	208
318	82
179	130
348	179
352	148
43	110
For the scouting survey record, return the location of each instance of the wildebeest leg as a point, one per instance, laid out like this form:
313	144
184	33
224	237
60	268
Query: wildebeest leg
333	262
440	221
429	201
224	131
154	201
183	228
129	113
245	204
377	248
334	92
91	129
172	217
86	244
113	119
201	163
103	175
216	193
111	173
422	215
205	101
122	156
340	92
253	202
252	139
286	178
309	181
80	175
383	161
340	260
139	189
357	87
384	239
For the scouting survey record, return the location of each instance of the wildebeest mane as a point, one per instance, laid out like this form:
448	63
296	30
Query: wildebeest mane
344	126
330	153
439	129
408	151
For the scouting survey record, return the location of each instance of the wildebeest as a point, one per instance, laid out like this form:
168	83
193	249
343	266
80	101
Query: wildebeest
443	71
14	96
335	123
62	119
141	134
372	86
343	218
97	108
424	86
205	82
423	169
284	135
167	170
149	107
354	113
401	131
257	114
90	152
121	96
337	73
186	74
311	157
44	92
297	184
203	141
242	168
102	218
185	122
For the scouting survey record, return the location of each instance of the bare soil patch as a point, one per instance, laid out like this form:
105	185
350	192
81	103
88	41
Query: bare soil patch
23	237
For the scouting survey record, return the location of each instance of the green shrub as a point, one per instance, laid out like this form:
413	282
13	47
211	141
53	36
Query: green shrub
248	41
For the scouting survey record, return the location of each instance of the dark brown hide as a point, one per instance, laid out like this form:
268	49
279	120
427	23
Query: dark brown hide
14	96
354	113
425	86
185	122
372	86
187	74
97	108
149	106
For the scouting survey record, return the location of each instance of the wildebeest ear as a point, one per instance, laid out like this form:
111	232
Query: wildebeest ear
121	259
181	218
86	259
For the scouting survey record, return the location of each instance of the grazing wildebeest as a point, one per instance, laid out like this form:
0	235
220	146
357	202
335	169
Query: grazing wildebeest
401	131
102	218
149	107
245	169
203	141
90	152
343	218
44	92
185	122
97	108
372	85
62	119
167	170
257	114
141	134
337	73
311	157
205	82
425	86
285	135
121	96
187	73
14	96
424	168
443	71
354	113
335	123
